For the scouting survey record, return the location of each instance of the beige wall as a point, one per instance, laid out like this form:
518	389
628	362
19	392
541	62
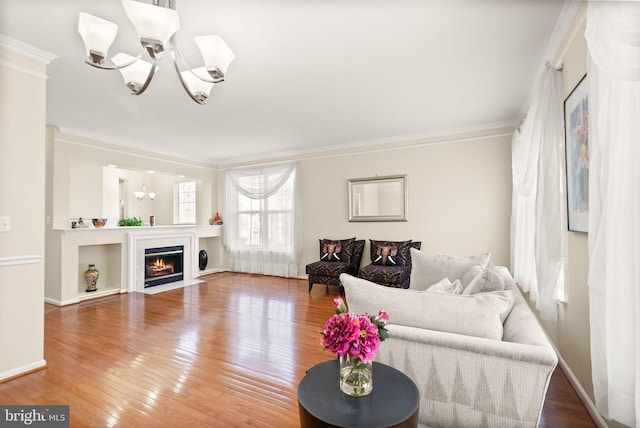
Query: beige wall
459	197
459	190
79	170
22	197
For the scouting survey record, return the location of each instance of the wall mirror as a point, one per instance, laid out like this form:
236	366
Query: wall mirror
378	198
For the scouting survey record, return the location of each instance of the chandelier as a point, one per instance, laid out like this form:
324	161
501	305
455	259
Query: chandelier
140	195
156	26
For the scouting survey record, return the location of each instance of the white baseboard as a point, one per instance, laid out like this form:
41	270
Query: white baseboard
22	370
582	394
60	302
210	271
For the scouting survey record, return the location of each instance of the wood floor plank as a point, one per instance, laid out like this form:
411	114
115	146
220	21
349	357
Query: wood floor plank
229	352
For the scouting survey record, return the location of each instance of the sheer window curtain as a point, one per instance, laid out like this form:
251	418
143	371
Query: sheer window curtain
538	218
613	41
262	219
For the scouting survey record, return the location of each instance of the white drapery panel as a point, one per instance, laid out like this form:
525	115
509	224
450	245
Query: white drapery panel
613	41
538	218
262	219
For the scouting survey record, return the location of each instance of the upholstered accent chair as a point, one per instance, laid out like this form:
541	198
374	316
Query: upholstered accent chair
331	264
390	263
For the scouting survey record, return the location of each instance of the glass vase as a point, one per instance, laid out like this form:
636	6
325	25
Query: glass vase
356	377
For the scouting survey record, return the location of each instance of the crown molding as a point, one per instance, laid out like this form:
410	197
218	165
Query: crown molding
401	142
79	138
26	50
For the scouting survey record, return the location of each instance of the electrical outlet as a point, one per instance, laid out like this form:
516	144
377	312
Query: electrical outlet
5	223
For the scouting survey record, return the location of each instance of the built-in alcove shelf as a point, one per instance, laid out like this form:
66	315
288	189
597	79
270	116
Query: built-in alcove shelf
109	249
210	240
108	260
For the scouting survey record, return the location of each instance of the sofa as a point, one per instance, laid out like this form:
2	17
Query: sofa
477	355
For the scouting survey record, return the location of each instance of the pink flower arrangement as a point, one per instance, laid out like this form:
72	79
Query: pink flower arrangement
357	336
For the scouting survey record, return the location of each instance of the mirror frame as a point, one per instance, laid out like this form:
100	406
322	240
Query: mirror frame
377	181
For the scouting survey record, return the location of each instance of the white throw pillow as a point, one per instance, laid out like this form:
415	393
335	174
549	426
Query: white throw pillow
471	274
479	315
486	281
427	269
446	286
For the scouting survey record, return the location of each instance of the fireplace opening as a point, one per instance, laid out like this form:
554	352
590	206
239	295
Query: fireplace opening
163	265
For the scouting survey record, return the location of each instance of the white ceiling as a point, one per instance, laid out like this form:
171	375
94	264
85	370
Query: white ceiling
309	75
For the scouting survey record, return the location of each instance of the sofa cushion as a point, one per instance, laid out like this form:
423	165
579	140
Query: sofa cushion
485	281
480	315
346	249
446	286
428	269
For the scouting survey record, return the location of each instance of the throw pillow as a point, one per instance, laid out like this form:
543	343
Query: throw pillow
470	275
402	253
386	255
486	281
479	315
346	249
331	251
446	286
427	268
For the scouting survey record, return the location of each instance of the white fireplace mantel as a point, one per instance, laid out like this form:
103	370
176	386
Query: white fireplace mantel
139	241
115	252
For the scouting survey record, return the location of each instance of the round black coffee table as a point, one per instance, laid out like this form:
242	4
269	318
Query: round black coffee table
394	401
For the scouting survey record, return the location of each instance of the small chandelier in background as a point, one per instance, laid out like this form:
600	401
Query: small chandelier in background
156	26
140	195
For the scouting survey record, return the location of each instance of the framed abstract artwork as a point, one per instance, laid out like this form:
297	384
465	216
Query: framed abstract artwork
576	138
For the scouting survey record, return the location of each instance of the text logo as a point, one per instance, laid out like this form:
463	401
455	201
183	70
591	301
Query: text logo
34	416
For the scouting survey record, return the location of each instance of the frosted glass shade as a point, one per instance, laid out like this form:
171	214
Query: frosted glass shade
134	75
153	23
197	87
97	34
216	53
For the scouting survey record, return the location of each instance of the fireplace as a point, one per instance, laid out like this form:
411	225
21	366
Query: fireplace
163	265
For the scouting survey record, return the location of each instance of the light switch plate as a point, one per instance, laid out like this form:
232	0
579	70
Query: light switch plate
5	223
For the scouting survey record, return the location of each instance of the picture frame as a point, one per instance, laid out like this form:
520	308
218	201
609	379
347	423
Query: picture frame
378	198
576	126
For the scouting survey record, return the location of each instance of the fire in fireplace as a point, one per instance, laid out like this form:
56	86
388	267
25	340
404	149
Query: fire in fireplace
163	265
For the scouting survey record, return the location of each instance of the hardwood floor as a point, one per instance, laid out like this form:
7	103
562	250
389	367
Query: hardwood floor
226	353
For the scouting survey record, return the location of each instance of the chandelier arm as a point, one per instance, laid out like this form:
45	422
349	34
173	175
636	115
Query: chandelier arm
175	56
149	77
114	67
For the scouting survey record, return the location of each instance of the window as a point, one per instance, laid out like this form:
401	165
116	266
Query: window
262	219
185	208
263	223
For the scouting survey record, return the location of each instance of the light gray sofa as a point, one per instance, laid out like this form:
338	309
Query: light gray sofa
479	360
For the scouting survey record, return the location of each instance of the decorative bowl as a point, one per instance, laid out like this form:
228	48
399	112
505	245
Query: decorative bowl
99	222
